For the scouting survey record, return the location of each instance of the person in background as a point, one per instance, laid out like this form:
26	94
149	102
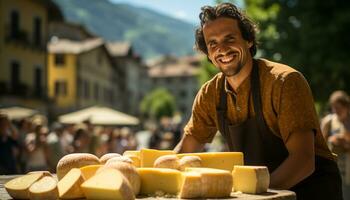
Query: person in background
9	147
262	108
55	144
36	149
82	139
336	130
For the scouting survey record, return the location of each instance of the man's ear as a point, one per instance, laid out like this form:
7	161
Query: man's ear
249	43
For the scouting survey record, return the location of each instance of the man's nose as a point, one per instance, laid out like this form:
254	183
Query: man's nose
223	49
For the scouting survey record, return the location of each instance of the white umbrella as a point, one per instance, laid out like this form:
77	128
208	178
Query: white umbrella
99	116
15	112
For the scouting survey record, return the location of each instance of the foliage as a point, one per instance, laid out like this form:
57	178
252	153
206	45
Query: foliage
207	71
158	103
152	34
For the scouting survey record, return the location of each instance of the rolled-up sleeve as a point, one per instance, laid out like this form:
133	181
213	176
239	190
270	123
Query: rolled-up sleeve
296	108
202	124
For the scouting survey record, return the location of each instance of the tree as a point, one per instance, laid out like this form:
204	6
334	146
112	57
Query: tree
158	103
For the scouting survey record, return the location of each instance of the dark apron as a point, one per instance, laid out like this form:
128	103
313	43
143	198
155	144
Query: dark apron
262	147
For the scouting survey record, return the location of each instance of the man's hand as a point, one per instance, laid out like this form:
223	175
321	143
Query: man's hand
188	144
300	162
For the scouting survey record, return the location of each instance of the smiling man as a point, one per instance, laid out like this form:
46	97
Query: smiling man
262	108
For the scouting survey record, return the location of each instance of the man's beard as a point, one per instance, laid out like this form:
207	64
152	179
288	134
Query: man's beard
233	72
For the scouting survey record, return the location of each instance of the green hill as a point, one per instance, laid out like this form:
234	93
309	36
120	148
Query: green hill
152	34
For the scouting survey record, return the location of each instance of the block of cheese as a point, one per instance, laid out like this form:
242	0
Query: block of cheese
109	184
132	153
44	188
215	183
108	156
167	161
251	179
135	160
189	161
46	173
75	160
148	156
69	185
134	156
191	185
18	188
218	160
128	170
160	181
89	170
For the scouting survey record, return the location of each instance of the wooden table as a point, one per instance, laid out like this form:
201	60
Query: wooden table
270	195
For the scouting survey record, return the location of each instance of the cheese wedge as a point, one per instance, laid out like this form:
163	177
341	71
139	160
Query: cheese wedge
156	181
191	186
135	160
89	170
218	160
132	153
69	185
18	188
148	156
45	188
109	184
128	170
251	179
215	183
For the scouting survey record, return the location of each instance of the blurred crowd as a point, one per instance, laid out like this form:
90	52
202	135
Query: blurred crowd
30	144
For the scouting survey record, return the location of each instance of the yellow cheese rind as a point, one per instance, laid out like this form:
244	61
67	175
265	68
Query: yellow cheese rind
128	170
215	183
189	161
89	170
148	156
251	179
69	185
45	188
191	186
135	160
18	188
160	180
75	160
109	184
167	161
218	160
108	156
132	153
120	159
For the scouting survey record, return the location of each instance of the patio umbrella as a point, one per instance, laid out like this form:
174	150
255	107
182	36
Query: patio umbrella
16	113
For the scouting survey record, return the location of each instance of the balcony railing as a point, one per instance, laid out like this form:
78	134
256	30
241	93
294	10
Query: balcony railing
21	90
21	38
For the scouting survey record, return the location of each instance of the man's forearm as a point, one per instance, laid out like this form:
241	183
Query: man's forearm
188	144
293	170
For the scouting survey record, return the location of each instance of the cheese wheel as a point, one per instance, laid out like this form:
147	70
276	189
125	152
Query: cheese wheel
148	156
135	160
18	188
108	156
191	186
89	170
75	160
45	188
128	170
108	184
69	185
120	159
251	179
190	161
167	161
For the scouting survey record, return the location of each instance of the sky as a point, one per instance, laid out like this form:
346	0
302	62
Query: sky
186	10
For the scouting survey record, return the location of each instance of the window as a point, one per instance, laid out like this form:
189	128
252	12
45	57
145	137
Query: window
37	31
14	17
15	75
38	82
59	59
86	89
96	91
60	88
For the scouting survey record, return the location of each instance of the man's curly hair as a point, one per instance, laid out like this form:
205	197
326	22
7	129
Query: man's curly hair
247	27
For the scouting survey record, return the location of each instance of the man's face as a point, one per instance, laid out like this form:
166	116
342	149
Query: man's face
226	47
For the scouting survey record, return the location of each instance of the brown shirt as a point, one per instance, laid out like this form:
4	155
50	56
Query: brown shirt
287	105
